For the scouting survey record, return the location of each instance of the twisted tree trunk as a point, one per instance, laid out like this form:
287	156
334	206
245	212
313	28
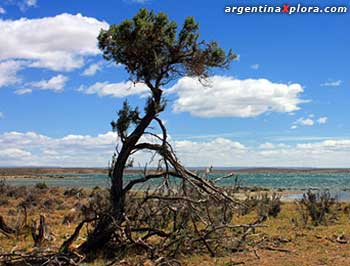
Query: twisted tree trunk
105	227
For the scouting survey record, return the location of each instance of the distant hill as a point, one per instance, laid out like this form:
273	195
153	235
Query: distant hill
35	171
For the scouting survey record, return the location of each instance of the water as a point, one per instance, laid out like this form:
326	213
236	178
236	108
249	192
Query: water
337	183
291	181
296	181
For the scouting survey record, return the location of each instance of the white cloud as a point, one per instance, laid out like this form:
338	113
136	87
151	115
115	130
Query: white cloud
270	146
2	11
2	115
57	43
304	122
55	84
309	121
336	83
31	148
14	154
8	71
118	90
322	120
229	97
69	150
255	66
23	91
92	69
327	145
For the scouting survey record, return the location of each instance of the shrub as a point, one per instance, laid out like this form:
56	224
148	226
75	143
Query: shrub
269	205
17	192
41	185
264	204
98	203
74	192
31	200
319	207
3	187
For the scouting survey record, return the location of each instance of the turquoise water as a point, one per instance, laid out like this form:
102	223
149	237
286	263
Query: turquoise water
293	181
337	183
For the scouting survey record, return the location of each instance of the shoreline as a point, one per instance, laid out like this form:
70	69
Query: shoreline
57	172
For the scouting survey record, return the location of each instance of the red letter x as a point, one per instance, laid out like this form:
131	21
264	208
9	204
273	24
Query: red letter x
285	9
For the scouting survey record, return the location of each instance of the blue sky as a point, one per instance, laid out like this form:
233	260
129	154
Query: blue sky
283	103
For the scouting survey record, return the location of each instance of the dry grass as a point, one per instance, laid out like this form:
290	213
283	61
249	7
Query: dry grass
285	242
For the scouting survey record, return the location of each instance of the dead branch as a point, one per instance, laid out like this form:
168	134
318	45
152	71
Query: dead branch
39	232
65	247
5	229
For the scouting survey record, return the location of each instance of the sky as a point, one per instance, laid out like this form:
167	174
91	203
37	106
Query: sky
283	102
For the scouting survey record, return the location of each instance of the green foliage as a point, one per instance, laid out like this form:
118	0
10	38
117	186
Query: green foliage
264	204
41	185
269	205
151	50
126	117
320	207
154	52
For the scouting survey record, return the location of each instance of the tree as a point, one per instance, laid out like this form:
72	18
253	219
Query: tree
154	53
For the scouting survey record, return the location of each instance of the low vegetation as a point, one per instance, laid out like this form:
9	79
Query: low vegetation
317	208
37	218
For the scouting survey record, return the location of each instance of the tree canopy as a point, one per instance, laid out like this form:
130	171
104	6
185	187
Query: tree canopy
153	52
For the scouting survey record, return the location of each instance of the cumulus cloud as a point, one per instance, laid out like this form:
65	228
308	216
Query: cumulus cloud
56	83
14	153
230	97
118	90
330	145
336	83
2	10
31	148
92	69
8	71
58	43
69	150
270	146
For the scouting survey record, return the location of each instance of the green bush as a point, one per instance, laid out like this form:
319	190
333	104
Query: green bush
319	207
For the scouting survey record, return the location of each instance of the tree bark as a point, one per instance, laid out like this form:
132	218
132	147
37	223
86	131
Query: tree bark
104	229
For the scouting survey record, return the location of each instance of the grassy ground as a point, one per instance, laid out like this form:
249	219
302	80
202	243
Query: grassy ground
286	240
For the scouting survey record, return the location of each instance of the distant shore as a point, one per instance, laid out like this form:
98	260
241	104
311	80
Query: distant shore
58	172
46	172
